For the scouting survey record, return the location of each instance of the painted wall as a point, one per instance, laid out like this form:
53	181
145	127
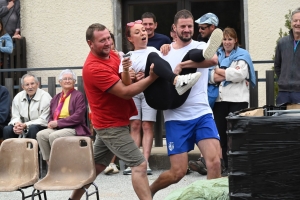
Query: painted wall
266	17
55	31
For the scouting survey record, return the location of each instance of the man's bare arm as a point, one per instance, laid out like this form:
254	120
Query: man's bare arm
192	64
127	92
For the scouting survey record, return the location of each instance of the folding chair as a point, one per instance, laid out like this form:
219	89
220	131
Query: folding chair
19	168
71	166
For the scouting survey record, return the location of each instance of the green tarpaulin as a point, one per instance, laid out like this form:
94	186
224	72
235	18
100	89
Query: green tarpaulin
214	189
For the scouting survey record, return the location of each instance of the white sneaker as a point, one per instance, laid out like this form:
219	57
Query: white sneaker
213	44
127	171
149	171
108	170
114	166
185	82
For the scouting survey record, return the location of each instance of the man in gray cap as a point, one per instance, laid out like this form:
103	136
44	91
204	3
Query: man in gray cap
207	24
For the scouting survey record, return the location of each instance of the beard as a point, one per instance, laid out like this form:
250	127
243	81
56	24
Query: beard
102	53
184	39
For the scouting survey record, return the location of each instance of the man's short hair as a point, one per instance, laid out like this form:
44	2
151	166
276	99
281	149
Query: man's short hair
294	12
149	15
182	14
208	18
29	75
90	31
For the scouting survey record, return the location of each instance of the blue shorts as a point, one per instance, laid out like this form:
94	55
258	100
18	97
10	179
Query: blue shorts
183	135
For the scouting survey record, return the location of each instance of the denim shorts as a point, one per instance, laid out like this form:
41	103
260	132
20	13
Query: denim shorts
287	97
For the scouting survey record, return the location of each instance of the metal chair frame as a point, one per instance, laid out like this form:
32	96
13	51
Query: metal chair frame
20	145
51	168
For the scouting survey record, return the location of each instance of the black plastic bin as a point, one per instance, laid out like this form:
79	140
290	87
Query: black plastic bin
264	157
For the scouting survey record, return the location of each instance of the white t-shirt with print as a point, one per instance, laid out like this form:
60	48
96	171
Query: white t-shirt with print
139	59
196	104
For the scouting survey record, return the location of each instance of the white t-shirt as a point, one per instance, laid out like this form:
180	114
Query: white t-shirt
196	104
139	59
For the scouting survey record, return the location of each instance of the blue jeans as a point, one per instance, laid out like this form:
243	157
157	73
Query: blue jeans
287	97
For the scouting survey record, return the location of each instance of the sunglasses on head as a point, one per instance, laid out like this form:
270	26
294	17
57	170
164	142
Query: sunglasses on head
130	24
203	28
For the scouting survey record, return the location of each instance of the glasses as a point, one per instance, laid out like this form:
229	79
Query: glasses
130	24
67	79
204	27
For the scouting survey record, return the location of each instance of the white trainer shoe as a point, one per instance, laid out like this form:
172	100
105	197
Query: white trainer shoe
127	171
213	44
115	169
185	82
108	170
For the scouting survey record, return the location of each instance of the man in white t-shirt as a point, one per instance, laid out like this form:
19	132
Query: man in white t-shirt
192	123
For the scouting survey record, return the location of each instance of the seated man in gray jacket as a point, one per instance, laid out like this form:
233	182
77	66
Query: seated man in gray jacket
30	110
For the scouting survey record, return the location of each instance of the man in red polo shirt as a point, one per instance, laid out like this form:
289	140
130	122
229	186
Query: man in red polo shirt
112	105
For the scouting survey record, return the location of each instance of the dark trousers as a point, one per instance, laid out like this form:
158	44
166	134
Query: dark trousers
1	131
32	131
161	94
221	111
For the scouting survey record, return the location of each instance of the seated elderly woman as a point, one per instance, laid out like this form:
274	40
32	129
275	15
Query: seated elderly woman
67	114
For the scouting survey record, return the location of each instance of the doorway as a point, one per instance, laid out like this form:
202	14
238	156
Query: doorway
229	12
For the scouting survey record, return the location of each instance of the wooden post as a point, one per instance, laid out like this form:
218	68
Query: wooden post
270	100
40	82
9	84
20	85
51	86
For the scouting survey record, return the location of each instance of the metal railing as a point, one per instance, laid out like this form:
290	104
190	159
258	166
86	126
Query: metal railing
159	125
15	60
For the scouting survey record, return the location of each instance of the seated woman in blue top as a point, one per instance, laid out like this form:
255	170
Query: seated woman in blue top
6	44
67	114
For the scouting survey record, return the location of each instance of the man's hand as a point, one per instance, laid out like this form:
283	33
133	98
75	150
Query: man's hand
132	75
52	124
10	4
19	128
164	49
126	63
17	36
178	69
139	76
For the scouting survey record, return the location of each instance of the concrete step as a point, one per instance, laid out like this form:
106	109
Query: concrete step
159	159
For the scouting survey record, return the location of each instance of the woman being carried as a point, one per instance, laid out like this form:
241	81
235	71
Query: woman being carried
170	90
167	92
